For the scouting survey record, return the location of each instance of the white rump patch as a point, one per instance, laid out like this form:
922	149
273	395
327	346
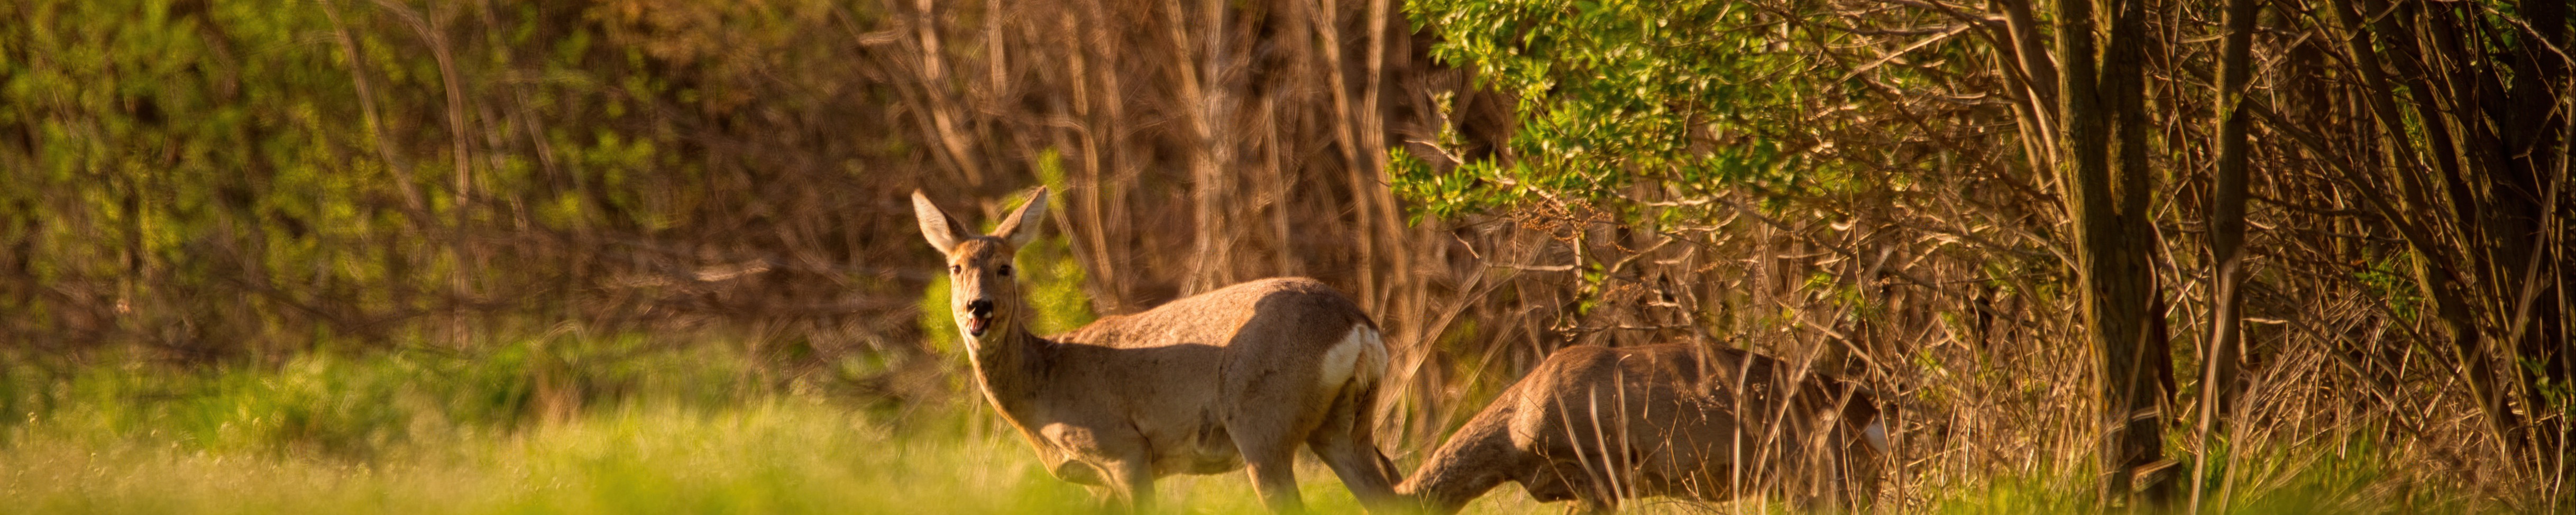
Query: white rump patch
1877	434
1361	356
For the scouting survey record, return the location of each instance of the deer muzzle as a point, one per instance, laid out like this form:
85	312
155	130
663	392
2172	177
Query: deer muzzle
979	317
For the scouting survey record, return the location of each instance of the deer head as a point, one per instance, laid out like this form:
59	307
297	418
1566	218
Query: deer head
982	296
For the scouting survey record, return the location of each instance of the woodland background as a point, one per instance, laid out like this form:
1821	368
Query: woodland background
2041	230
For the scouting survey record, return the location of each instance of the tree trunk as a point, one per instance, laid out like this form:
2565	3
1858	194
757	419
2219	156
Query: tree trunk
2101	102
2226	238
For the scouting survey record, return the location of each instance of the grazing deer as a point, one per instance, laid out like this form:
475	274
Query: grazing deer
1201	385
1599	424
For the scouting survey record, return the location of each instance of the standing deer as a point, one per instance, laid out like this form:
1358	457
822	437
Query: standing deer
1201	385
1598	424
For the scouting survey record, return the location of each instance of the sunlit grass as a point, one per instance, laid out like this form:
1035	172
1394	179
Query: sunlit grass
530	428
781	456
776	457
617	426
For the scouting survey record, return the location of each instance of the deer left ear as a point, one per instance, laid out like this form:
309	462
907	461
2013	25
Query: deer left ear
935	226
1022	226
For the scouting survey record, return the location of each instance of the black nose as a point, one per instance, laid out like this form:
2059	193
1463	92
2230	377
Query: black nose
980	308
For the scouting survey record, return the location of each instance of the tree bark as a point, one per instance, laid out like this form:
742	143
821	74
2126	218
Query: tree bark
2226	239
2101	104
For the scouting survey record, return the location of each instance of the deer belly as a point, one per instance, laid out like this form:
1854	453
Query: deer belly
1209	462
1207	451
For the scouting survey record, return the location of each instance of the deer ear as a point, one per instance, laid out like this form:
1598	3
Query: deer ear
1022	225
935	226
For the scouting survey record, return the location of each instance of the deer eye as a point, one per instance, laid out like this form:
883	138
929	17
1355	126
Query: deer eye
952	269
1005	271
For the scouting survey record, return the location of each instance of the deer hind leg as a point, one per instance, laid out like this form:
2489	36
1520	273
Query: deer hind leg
1268	438
1274	475
1344	442
1350	374
1278	412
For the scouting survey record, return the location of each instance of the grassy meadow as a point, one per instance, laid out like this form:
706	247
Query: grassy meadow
620	426
519	431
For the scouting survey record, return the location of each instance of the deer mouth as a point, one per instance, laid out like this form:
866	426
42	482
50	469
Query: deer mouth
975	325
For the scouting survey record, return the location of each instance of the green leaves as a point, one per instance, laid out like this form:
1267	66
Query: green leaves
1614	94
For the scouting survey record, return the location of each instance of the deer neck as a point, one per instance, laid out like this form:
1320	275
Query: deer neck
1476	459
1010	367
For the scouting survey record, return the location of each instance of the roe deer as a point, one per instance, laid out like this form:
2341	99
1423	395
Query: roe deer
1201	385
1599	424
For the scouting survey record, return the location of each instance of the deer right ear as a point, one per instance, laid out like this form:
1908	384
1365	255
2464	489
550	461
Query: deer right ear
1022	225
935	226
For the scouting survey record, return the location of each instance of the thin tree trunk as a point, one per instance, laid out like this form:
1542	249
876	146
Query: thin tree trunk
2226	239
2099	93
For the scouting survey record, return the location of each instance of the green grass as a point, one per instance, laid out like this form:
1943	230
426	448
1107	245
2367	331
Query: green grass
772	457
540	427
621	425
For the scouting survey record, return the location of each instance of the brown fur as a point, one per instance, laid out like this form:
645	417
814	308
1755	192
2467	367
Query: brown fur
1201	385
1598	424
